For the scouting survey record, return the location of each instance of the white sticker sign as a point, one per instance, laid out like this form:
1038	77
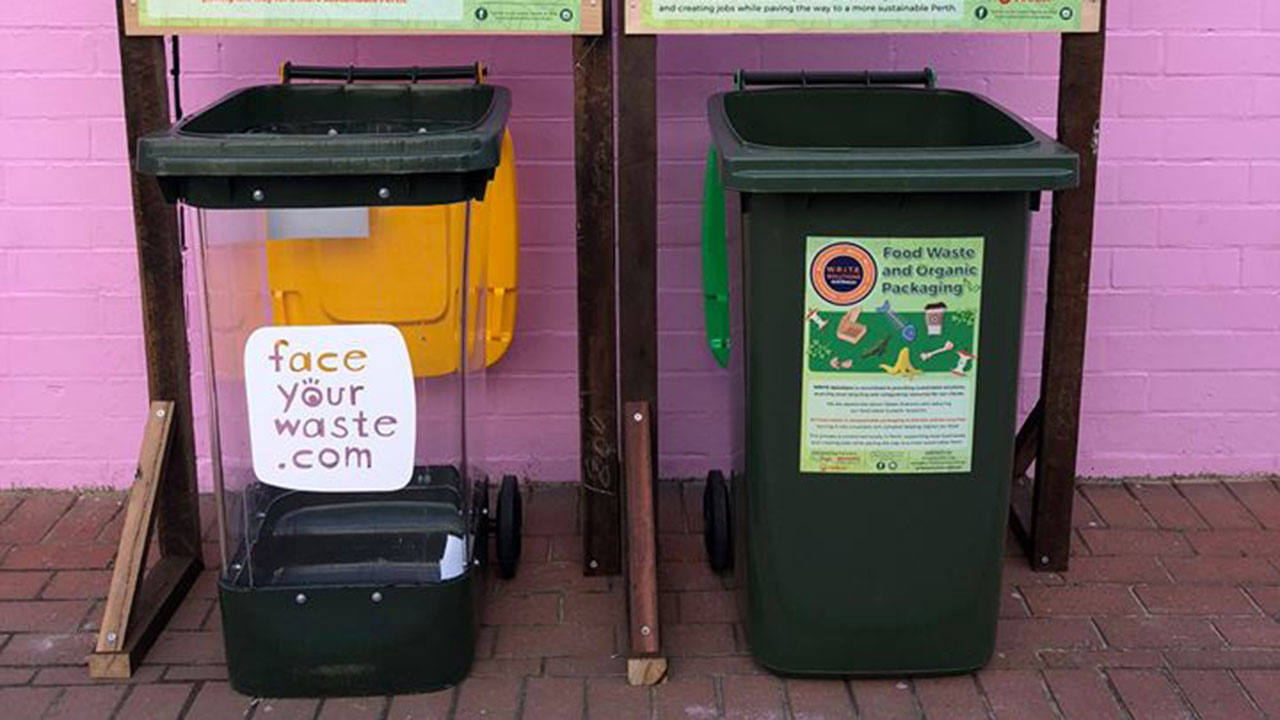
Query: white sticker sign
331	407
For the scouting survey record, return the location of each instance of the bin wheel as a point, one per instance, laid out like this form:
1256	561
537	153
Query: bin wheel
716	533
510	519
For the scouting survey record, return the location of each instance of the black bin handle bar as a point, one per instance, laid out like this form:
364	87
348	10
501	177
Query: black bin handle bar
352	73
926	77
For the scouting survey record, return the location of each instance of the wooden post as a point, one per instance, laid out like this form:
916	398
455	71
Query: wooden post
1067	312
597	338
645	666
146	109
638	230
163	500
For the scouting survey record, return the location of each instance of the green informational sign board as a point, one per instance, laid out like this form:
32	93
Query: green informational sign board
361	17
890	367
838	16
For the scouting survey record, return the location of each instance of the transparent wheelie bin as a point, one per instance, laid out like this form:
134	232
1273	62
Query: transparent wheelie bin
346	311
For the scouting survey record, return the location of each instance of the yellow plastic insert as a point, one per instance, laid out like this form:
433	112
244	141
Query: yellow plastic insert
408	272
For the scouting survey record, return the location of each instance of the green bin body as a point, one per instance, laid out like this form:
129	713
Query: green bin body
869	506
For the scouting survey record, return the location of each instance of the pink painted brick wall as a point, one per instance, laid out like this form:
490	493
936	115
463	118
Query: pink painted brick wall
1183	367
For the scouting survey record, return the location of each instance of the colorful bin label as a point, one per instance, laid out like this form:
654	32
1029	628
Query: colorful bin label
331	407
890	354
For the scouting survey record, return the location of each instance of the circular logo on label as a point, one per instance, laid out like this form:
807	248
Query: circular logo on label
1066	13
843	273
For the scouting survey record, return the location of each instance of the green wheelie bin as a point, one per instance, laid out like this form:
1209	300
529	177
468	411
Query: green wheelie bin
882	274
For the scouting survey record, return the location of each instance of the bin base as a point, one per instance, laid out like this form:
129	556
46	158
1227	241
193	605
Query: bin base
334	641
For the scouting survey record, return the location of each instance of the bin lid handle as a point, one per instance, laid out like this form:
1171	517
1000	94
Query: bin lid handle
805	78
354	73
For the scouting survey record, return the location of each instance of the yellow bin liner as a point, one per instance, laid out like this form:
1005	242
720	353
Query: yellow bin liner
407	271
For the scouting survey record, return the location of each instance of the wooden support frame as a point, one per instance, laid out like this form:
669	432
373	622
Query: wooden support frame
139	603
645	664
601	482
1043	521
163	500
637	239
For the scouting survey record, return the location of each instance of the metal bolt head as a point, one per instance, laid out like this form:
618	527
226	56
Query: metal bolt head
1044	559
235	567
384	193
333	131
645	630
300	598
259	196
376	596
593	565
111	638
637	417
160	413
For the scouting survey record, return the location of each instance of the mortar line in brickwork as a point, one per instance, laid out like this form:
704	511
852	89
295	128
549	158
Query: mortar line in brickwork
1228	487
1128	491
1114	691
1177	488
1244	689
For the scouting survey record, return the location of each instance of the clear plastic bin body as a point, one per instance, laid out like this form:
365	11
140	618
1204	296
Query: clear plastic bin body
345	380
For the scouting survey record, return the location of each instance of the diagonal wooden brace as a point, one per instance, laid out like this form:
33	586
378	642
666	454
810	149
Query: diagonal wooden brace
139	603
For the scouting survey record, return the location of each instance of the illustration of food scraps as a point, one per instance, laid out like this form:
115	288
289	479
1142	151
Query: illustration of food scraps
877	349
849	329
908	330
934	314
903	366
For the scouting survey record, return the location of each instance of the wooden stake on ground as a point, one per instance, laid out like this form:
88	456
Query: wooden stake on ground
644	665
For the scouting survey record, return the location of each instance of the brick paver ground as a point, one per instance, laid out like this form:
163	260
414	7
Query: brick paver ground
1169	611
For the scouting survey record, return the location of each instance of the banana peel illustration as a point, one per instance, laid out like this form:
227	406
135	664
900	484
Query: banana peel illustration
902	366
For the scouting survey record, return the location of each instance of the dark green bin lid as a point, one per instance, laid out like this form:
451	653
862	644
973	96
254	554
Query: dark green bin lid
820	139
323	144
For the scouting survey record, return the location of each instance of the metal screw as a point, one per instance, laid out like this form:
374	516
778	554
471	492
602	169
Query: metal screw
593	564
1044	559
376	596
644	630
160	413
259	196
384	193
484	511
111	638
475	562
300	598
235	567
333	131
637	417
